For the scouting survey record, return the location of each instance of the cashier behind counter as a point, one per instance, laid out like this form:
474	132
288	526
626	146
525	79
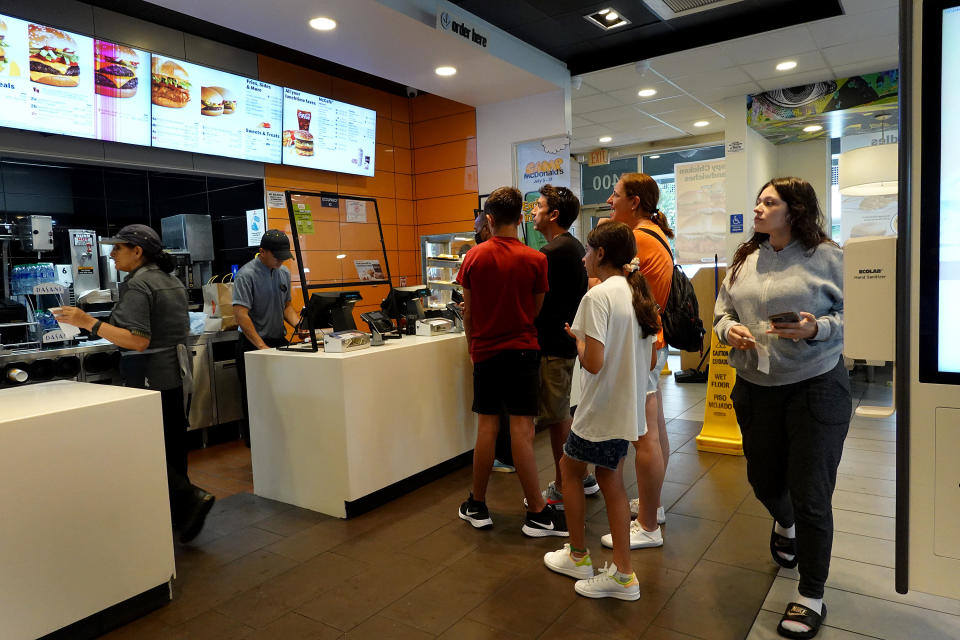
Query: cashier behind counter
151	318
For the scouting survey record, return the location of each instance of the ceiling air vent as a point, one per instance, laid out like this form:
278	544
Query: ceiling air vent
670	9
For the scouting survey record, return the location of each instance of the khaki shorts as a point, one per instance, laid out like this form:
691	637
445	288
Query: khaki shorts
556	375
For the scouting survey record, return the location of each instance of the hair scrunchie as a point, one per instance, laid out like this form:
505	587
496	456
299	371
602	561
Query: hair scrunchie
631	266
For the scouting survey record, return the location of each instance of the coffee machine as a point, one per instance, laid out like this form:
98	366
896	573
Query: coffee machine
189	239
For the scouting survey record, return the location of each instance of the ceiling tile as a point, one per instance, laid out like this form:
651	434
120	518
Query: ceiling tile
629	96
796	80
869	66
594	103
686	62
584	91
788	42
580	122
850	28
591	131
698	81
620	77
605	116
713	94
767	69
861	51
667	105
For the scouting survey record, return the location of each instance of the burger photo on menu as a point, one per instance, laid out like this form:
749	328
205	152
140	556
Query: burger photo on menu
116	70
229	101
211	101
53	57
170	84
303	143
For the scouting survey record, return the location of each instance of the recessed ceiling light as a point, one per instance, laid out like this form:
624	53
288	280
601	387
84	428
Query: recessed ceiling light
701	123
787	65
653	157
812	128
646	93
446	71
606	19
323	24
606	139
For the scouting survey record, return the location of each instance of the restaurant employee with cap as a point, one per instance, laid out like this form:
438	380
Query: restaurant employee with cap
150	320
261	304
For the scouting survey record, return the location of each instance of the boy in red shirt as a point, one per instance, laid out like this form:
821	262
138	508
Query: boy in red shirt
504	283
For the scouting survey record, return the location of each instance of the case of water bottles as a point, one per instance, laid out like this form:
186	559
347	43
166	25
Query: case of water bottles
24	281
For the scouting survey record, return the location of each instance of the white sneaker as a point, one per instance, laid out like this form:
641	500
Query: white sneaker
563	562
635	509
605	585
639	538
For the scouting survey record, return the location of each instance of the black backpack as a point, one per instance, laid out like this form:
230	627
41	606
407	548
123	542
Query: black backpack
682	327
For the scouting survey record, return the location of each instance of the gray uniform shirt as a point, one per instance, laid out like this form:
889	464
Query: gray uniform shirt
152	304
792	279
265	292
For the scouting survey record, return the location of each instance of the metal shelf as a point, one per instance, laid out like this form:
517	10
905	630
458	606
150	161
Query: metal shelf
441	262
431	284
18	324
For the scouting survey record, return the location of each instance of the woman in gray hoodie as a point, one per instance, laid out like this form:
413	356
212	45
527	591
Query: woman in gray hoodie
792	394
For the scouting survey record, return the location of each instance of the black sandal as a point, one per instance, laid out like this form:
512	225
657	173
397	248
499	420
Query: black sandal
784	545
804	615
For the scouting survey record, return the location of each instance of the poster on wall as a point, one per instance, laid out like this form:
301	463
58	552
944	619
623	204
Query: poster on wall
46	79
701	210
540	162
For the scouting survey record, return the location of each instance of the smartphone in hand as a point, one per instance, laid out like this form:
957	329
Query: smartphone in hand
786	316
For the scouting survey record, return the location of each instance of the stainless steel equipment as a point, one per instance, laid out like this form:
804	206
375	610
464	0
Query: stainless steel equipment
189	237
98	362
216	384
35	233
84	260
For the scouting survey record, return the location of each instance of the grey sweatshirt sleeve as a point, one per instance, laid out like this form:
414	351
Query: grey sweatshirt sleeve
830	325
724	313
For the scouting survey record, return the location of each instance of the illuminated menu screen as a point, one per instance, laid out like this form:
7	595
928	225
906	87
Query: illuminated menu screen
319	133
203	110
46	79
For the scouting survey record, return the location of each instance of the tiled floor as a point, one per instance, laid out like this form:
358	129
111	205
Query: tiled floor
412	569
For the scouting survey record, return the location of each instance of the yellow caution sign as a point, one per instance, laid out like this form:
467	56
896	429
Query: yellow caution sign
720	432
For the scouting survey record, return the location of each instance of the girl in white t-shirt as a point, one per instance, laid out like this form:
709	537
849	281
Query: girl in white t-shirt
620	312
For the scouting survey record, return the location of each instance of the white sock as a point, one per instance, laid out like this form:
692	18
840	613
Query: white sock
786	532
816	604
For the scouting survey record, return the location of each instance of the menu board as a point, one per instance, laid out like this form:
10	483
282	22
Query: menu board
319	133
46	79
122	93
203	110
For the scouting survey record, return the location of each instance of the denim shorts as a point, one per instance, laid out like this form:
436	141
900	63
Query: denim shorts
606	453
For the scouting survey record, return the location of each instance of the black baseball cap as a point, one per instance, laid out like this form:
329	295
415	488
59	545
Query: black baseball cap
139	235
277	243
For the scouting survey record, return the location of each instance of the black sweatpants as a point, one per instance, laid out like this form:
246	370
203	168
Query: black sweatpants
793	439
175	445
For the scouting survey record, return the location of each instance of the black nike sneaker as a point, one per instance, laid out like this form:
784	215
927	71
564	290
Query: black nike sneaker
476	513
548	522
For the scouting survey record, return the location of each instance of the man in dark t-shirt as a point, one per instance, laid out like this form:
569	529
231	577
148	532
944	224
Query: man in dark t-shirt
557	209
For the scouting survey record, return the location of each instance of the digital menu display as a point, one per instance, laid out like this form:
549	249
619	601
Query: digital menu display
203	110
122	93
319	133
46	79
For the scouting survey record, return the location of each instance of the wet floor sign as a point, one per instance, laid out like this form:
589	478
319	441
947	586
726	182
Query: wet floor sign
720	432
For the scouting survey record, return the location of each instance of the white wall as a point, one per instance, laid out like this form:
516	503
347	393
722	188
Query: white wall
504	123
810	161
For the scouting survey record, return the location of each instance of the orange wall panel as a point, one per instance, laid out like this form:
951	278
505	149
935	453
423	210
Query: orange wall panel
459	153
384	132
446	209
387	208
458	226
404	186
405	214
407	239
294	76
403	160
447	129
282	177
384	160
354	236
363	96
390	236
410	265
381	185
401	135
400	108
445	183
429	107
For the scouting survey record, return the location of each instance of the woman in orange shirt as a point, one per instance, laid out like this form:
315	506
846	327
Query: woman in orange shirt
634	201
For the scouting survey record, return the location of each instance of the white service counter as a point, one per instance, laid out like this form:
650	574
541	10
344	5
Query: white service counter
330	428
85	512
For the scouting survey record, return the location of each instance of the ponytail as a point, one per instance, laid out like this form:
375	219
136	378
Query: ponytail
661	221
643	304
165	261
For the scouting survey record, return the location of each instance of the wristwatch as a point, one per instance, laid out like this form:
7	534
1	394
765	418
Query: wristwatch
96	328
